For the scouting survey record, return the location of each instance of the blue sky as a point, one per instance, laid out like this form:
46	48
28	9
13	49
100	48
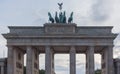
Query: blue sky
86	13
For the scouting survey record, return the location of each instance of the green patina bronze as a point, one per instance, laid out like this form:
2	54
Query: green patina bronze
56	18
62	16
50	17
70	18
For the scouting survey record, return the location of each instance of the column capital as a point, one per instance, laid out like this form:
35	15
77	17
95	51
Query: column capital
90	48
28	46
110	47
47	46
10	46
72	48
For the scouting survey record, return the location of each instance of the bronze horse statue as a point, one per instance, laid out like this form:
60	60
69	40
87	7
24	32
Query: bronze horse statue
70	18
50	17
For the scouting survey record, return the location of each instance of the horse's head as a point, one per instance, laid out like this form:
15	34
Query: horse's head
64	13
49	14
71	14
55	13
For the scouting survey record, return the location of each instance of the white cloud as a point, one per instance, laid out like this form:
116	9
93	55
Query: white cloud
100	11
3	51
62	60
2	40
116	52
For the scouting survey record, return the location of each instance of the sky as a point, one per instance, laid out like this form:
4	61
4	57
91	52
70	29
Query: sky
86	13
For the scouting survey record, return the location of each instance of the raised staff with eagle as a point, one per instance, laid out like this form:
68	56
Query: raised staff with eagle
60	5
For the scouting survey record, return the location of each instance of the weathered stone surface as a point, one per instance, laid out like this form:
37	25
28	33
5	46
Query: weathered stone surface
60	28
48	60
107	60
90	60
72	60
59	38
32	61
117	66
3	65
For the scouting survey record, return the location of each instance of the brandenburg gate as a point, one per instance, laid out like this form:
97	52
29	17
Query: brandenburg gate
53	38
59	37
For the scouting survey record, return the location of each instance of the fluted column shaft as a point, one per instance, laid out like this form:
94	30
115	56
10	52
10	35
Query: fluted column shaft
72	60
11	68
90	60
48	60
32	66
107	61
2	69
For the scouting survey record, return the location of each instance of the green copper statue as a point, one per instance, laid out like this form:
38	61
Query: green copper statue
56	18
64	18
70	18
50	17
61	18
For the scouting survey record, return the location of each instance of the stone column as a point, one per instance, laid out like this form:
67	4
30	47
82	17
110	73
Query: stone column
48	60
15	62
107	61
32	61
53	67
11	68
118	67
72	60
2	69
90	60
36	61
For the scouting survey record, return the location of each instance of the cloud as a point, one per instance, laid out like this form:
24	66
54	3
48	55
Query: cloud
62	60
97	66
61	68
3	52
42	61
116	50
117	40
97	58
2	40
81	69
41	17
62	72
80	64
99	12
